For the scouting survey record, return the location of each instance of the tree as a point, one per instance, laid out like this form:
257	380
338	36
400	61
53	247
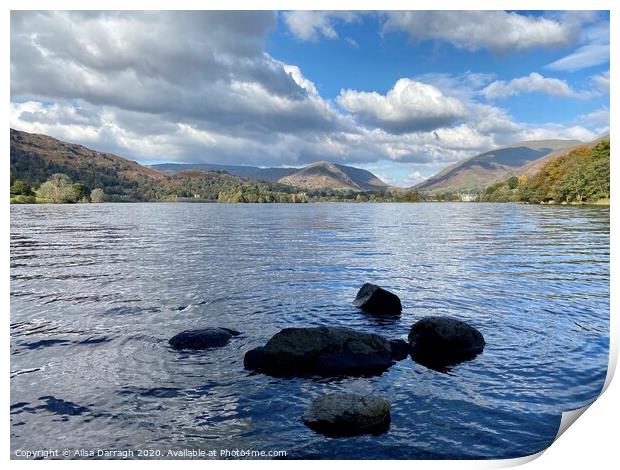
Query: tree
513	182
19	188
97	195
57	189
81	191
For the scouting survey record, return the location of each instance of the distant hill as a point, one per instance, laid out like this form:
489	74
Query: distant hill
253	172
317	175
476	173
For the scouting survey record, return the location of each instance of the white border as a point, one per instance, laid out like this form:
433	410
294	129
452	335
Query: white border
591	443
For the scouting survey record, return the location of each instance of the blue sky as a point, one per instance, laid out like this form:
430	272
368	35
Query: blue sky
402	94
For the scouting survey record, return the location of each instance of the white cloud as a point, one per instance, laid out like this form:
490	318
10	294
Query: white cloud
556	131
601	81
408	107
311	25
532	83
413	178
494	30
584	57
598	120
594	50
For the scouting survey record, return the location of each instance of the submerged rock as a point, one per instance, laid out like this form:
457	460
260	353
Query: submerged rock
323	351
348	414
202	339
441	341
375	299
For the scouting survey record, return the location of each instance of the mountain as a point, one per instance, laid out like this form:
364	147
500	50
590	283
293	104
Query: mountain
476	173
318	175
253	172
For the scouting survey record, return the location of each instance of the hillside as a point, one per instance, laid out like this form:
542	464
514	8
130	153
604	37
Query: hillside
320	175
253	172
35	157
531	168
576	175
476	173
317	175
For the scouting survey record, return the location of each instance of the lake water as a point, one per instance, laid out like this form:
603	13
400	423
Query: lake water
97	290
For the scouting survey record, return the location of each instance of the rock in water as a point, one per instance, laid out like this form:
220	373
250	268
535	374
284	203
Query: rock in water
348	414
400	349
440	341
202	339
375	299
323	351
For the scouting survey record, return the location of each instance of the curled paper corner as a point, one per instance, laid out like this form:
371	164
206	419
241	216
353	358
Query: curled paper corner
568	418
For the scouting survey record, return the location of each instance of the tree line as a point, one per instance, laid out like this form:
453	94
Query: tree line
197	186
58	189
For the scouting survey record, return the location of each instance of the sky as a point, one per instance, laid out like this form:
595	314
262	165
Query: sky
402	94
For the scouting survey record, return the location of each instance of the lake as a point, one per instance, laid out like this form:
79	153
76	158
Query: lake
98	289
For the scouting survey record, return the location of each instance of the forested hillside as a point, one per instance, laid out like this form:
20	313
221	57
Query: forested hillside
578	176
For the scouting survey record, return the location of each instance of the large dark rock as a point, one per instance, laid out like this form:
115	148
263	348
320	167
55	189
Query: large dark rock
323	351
441	341
202	339
348	414
376	300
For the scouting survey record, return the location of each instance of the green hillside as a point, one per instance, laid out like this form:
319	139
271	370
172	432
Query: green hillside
578	176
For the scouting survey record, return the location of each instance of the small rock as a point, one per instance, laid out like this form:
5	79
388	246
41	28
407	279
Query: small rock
348	414
202	339
376	300
323	351
441	341
400	349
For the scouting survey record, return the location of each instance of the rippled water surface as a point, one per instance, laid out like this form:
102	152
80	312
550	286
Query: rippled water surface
97	290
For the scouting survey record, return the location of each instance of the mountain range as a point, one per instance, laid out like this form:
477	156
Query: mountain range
314	176
35	157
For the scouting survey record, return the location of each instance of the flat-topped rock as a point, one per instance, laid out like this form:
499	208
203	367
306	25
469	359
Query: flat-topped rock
444	341
323	351
348	414
204	338
376	300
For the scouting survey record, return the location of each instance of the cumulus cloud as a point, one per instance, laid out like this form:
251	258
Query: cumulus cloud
209	68
311	25
532	83
408	107
494	30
